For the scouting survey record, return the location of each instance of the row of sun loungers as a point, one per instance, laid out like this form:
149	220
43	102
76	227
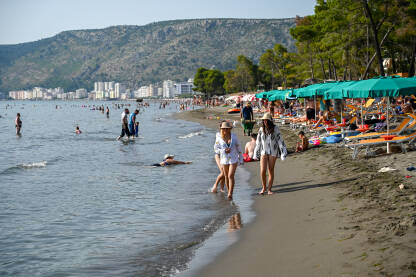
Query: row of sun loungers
404	133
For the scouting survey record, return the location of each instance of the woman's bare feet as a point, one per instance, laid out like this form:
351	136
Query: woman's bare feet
269	192
230	197
214	189
261	192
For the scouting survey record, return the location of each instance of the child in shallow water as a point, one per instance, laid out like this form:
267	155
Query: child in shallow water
302	145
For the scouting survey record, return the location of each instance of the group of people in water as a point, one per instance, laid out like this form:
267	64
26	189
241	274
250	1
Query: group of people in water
129	124
266	147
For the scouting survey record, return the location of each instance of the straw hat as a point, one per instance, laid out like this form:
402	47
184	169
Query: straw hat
168	156
267	116
226	125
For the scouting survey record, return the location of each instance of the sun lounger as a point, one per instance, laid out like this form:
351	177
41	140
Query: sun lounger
411	139
398	130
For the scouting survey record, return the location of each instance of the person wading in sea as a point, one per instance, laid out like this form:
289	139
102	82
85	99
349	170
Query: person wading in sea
124	124
18	124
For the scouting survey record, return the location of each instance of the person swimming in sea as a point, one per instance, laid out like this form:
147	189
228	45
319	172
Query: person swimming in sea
77	130
168	160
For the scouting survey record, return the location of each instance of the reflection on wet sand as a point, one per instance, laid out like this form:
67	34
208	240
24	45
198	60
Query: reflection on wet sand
234	223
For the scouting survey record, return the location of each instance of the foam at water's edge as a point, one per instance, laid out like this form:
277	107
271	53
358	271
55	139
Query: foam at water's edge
191	135
33	165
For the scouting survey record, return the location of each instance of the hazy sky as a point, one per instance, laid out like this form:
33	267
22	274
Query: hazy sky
29	20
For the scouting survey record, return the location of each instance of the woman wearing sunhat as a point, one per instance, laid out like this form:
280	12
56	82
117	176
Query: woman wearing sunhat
229	148
269	146
168	160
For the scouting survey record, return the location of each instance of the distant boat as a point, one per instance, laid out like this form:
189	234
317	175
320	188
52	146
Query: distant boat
139	100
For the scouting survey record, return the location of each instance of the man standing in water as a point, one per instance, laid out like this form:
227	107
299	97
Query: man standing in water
124	124
18	123
107	111
132	122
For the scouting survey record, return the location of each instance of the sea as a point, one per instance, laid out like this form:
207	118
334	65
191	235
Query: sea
89	205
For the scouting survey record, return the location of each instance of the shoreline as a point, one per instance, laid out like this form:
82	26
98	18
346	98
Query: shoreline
309	227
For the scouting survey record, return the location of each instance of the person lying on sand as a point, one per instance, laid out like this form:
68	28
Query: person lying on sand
168	160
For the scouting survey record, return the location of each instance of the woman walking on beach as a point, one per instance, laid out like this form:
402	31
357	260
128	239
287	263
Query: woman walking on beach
228	146
221	177
269	146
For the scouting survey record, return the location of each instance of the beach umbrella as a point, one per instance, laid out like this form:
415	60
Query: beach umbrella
391	86
265	94
337	92
280	95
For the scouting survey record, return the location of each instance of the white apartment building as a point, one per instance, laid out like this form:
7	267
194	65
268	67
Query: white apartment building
81	93
168	89
119	89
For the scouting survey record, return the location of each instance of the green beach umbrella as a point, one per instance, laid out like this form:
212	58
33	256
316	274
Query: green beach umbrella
324	87
305	91
391	86
381	87
265	94
280	95
337	92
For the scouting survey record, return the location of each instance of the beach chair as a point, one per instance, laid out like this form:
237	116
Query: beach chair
410	139
396	131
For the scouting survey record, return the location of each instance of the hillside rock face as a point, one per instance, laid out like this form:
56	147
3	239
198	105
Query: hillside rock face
138	55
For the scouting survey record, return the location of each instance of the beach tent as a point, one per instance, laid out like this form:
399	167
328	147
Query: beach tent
249	97
232	98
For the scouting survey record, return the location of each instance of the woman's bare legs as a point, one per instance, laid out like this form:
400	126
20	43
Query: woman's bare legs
225	170
271	161
263	168
231	180
221	175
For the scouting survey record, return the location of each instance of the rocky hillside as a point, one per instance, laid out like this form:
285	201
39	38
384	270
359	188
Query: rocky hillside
137	55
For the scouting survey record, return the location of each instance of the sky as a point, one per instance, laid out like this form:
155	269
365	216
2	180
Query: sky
30	20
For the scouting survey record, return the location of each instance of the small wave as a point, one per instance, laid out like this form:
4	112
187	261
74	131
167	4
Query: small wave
191	135
33	165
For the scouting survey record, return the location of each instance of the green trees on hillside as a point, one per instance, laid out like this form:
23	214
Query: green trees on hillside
342	40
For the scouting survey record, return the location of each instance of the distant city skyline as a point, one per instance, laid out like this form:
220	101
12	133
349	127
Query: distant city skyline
26	20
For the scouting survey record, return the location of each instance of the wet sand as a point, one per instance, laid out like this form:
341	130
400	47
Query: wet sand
330	215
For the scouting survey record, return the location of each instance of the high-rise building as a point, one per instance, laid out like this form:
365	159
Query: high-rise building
168	89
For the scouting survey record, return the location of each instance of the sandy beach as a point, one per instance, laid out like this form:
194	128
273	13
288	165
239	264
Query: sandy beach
329	216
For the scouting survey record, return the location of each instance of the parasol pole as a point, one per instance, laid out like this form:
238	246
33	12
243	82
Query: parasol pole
388	128
388	108
314	100
362	115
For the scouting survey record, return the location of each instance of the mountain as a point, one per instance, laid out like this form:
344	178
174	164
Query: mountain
138	55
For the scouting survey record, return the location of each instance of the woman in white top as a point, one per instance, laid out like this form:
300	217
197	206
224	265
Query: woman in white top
229	149
269	146
221	177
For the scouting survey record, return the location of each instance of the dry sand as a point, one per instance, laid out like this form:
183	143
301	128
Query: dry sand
330	215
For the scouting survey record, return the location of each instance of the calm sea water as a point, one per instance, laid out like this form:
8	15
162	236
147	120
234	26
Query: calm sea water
78	205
